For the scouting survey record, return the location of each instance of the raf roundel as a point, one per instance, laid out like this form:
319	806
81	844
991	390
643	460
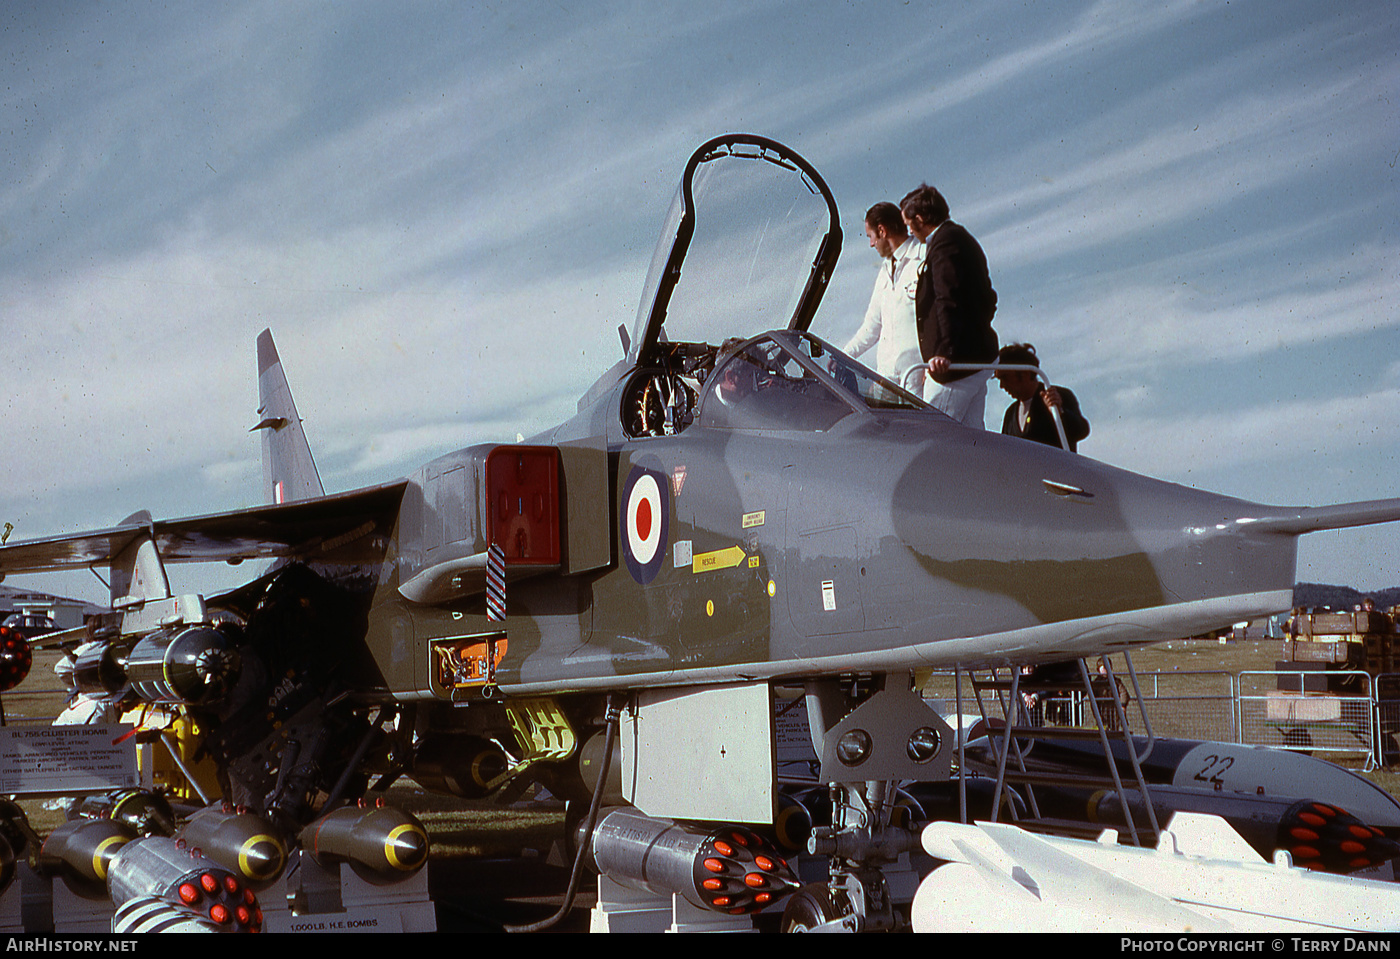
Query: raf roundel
645	523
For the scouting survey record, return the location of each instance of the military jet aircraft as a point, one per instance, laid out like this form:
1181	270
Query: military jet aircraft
611	607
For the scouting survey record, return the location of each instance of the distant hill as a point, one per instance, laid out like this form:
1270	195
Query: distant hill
1310	595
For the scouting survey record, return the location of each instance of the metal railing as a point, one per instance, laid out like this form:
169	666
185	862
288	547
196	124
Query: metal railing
35	702
1341	719
1178	708
1248	708
1386	692
996	368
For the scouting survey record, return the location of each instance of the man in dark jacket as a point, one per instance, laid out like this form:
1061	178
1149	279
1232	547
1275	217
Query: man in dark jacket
954	303
1030	416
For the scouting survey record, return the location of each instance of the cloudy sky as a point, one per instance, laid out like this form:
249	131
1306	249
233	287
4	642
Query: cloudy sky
444	210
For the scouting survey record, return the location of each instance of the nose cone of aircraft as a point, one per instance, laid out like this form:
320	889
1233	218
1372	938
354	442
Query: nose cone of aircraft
1000	523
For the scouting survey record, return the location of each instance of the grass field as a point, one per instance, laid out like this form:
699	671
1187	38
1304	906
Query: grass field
1191	668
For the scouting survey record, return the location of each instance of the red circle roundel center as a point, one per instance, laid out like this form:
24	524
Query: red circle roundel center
644	519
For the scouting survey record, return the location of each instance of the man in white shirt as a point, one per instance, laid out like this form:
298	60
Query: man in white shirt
890	324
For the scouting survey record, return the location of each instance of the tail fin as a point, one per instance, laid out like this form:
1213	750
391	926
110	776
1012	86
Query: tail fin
289	472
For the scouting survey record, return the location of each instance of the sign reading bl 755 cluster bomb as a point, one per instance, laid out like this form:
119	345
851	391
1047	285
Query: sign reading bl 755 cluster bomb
66	759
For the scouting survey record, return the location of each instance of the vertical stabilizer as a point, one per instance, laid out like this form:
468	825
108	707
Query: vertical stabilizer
289	472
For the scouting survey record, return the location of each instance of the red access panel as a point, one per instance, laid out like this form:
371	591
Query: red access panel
522	490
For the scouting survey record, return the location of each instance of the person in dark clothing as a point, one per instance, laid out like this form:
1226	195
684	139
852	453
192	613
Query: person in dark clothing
954	303
1030	417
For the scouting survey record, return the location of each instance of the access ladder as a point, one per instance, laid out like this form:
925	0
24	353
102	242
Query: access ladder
1011	760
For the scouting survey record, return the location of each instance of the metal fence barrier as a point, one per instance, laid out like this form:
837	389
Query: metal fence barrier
1339	720
1190	704
1356	714
1386	691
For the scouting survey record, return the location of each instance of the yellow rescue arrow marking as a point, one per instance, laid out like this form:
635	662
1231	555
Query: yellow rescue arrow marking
718	559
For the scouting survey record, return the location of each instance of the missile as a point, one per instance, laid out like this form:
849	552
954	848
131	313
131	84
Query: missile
941	800
382	844
1318	835
1202	878
729	869
163	868
1256	789
81	852
1218	768
15	658
241	842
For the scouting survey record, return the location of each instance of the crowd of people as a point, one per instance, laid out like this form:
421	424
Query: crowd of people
930	321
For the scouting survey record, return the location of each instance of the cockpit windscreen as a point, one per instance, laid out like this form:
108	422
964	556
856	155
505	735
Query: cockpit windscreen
873	390
773	383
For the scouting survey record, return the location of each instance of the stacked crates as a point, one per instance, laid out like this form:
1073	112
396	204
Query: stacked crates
1337	667
1361	639
1329	661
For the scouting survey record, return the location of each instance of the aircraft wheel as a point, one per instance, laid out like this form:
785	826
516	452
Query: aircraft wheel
809	907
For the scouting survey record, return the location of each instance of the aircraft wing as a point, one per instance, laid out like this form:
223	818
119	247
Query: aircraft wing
307	529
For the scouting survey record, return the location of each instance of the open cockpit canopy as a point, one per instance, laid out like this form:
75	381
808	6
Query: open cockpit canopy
748	245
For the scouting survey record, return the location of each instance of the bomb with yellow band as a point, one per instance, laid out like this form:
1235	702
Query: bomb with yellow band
147	813
80	851
241	842
382	844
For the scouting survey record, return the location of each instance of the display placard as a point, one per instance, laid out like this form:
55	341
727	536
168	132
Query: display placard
67	760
